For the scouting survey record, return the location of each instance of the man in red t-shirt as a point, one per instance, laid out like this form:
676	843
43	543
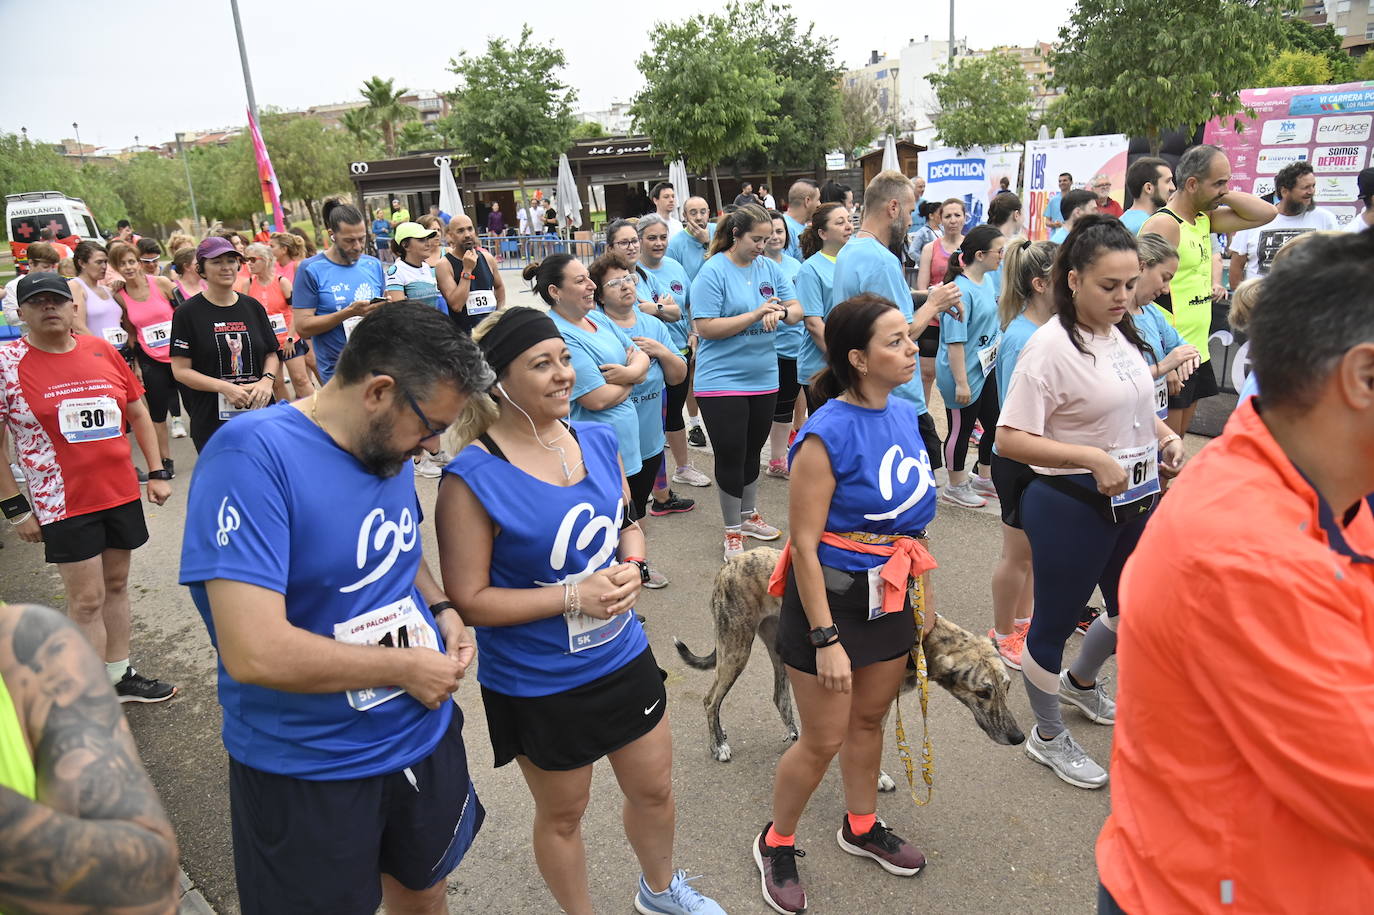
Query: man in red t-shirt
65	398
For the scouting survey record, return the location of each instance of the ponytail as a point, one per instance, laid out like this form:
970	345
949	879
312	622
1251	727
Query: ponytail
733	225
1022	262
810	239
546	273
978	240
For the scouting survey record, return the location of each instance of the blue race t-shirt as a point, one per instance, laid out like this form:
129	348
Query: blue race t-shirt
976	328
647	396
547	535
864	265
327	287
1058	235
794	233
589	351
814	283
746	362
670	278
275	503
1155	329
787	339
1013	341
1133	220
883	480
688	252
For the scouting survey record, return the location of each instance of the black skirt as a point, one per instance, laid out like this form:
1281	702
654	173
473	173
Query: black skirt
865	641
576	727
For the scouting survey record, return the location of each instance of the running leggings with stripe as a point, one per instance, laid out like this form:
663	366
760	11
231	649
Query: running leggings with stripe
738	425
1073	550
985	409
788	389
158	387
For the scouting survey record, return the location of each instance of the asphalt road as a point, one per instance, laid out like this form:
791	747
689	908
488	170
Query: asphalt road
1002	834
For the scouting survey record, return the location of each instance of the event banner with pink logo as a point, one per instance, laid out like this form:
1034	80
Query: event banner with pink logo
1083	158
1328	126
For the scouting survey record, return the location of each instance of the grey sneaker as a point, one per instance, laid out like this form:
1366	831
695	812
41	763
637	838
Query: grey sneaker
1068	760
1092	702
963	496
690	476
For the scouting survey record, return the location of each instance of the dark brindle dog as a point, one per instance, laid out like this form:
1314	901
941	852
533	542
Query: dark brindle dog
966	665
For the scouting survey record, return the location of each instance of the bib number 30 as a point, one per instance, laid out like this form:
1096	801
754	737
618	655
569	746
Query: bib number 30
90	419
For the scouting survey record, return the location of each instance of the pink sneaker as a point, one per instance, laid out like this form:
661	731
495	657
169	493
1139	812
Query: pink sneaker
777	469
1011	647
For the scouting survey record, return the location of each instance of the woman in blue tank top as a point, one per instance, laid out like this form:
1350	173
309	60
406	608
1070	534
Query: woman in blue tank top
862	495
535	548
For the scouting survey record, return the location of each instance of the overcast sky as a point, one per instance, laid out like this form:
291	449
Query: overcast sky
149	68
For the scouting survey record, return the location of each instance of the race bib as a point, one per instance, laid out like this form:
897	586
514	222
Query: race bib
278	322
1142	475
349	324
89	419
875	592
987	359
1162	396
116	336
481	302
398	625
227	410
588	632
157	336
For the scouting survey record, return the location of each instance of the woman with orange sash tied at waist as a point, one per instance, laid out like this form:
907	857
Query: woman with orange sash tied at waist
862	495
268	283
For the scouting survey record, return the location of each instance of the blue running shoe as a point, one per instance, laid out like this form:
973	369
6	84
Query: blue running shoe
680	898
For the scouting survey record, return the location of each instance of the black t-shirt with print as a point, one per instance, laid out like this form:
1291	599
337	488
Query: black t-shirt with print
223	341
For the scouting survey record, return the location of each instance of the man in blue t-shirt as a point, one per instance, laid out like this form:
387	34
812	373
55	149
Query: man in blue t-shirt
688	247
336	288
866	264
802	199
1053	218
338	654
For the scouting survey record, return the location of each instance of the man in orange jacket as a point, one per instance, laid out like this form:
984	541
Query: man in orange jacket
1243	766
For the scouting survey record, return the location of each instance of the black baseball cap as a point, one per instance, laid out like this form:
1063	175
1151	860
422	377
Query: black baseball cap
31	284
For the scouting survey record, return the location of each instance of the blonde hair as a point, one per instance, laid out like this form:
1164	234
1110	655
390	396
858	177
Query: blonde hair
1243	301
1154	249
67	267
179	240
481	409
1022	261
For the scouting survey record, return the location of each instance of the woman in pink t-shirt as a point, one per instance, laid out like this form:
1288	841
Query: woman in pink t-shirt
1080	412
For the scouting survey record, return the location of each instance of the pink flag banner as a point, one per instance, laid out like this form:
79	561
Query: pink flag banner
271	190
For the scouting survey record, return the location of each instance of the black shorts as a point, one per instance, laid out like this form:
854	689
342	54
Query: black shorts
576	727
321	846
1202	383
865	641
928	344
931	439
87	536
1010	479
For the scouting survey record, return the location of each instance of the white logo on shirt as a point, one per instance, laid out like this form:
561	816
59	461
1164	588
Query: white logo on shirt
228	521
403	536
925	480
597	525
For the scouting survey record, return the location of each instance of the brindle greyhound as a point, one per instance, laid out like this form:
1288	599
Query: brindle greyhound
966	665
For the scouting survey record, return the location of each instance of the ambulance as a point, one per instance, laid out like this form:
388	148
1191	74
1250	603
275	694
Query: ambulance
29	213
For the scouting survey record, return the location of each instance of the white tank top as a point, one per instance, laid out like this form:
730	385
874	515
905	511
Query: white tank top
102	311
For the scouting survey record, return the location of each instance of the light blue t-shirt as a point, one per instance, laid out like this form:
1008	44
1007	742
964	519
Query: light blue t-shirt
794	232
1058	235
1013	340
415	282
342	545
864	265
1156	331
814	282
745	363
976	328
647	396
670	277
787	339
589	351
1133	220
328	287
1052	212
689	252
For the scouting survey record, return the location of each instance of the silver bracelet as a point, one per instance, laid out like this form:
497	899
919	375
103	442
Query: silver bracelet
15	522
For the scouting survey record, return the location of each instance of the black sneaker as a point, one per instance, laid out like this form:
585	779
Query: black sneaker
778	878
134	687
170	466
696	437
1086	620
672	505
895	854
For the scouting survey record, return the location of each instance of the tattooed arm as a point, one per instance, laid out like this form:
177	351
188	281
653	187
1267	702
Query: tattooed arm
96	839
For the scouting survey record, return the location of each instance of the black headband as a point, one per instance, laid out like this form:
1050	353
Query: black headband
517	330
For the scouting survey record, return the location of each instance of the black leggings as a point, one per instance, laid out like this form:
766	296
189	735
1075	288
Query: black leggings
984	409
738	425
674	399
158	387
641	484
788	388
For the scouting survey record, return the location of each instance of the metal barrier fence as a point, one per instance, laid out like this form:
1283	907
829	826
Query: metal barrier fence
518	250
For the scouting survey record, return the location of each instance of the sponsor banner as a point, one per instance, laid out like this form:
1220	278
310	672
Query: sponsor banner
1332	127
1082	157
957	173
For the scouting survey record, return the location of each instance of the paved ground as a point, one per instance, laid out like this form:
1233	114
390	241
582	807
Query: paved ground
1003	834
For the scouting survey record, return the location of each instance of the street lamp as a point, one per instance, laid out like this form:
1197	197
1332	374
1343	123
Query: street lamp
195	216
79	148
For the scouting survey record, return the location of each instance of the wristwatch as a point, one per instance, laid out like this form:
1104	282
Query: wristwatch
159	474
822	636
643	568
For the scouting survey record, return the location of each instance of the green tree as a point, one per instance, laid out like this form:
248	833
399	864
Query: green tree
860	120
512	109
1299	35
226	180
310	159
805	124
589	130
362	126
984	101
1296	68
415	135
384	101
1182	74
1365	68
154	191
708	93
1078	119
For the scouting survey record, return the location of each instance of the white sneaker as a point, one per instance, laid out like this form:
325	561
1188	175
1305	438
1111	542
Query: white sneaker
1068	760
754	526
1092	702
963	496
982	486
178	430
690	476
426	468
734	544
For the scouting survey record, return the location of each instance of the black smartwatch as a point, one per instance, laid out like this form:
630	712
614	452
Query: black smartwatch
822	636
159	474
436	609
643	568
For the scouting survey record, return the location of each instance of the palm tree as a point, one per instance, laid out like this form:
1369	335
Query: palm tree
384	103
360	123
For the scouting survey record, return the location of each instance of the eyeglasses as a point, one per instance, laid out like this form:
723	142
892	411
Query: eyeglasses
627	243
620	281
424	420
